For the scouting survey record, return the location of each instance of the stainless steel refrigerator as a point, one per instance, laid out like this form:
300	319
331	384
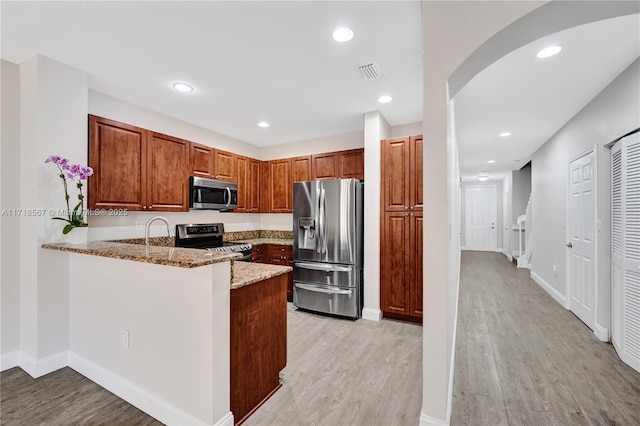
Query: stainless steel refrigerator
328	246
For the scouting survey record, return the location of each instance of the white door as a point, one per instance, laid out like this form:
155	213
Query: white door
581	245
480	218
506	223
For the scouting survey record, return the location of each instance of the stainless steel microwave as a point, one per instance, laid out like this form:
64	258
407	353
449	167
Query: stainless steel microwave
211	194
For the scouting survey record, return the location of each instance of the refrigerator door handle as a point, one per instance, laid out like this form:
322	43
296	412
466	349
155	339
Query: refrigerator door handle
322	289
323	213
323	267
318	220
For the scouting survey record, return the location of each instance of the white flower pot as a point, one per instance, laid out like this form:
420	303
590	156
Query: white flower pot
78	235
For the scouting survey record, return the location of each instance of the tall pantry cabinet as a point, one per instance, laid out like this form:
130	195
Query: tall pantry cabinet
401	228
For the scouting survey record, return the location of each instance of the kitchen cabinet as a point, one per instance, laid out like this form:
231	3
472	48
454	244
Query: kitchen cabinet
275	254
136	169
201	160
224	165
258	334
248	179
301	169
278	191
339	165
401	228
325	166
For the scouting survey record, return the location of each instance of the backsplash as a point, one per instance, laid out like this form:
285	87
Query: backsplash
252	235
228	236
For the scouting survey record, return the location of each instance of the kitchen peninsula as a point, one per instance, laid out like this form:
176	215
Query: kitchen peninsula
158	326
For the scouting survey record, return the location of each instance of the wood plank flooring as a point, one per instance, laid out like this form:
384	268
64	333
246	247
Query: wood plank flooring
522	359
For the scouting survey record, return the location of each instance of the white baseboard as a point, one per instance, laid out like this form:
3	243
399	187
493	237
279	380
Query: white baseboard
499	250
227	420
601	332
559	297
135	395
9	360
39	367
463	248
431	421
372	314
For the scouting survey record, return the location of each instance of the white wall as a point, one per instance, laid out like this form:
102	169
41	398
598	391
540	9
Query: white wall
53	120
375	129
408	129
340	142
10	199
611	114
451	32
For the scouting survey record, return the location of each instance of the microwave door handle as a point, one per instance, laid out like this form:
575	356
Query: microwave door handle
227	196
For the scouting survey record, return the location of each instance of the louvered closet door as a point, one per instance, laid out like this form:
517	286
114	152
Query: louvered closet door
625	249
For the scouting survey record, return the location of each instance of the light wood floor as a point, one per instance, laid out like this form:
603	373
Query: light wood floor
522	359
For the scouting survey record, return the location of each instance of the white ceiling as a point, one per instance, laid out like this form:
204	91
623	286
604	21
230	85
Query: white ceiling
276	61
249	61
533	98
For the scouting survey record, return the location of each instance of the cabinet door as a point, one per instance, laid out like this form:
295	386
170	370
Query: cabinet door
325	166
416	198
301	169
395	174
258	253
201	159
253	196
351	164
280	186
168	173
224	165
244	186
394	263
118	156
415	272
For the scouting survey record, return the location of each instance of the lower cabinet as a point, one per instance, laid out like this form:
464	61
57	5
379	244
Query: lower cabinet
275	254
401	266
258	343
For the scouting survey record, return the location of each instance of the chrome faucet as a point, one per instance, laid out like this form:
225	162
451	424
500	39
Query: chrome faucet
148	225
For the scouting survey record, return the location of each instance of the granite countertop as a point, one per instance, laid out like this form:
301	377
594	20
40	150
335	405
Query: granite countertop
169	256
245	273
276	241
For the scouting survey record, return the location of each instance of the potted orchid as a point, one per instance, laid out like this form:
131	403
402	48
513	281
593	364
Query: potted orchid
74	173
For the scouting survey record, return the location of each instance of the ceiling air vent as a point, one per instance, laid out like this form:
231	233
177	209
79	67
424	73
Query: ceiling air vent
369	71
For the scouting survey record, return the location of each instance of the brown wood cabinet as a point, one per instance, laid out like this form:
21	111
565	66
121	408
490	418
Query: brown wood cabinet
301	169
258	343
136	169
278	192
339	165
275	254
224	165
401	228
248	179
201	160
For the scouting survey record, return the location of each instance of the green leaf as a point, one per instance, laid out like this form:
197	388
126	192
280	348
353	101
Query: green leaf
67	229
62	218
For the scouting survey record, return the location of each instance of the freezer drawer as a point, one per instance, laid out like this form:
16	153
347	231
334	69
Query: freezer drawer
327	299
325	274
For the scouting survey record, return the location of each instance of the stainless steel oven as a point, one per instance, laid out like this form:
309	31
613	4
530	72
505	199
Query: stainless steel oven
211	194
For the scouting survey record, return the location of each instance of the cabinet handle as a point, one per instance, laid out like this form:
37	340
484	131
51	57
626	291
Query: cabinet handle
144	207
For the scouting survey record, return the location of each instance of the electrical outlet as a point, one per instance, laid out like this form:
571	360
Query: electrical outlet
138	226
125	338
555	269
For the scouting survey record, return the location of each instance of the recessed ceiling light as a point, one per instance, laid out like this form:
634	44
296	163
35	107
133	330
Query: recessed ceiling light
343	34
384	99
505	134
548	52
263	124
491	161
483	178
182	87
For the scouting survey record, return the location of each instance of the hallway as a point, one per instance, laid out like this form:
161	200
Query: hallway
522	359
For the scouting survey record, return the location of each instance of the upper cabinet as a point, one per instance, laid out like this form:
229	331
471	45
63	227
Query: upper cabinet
224	165
402	162
201	160
301	168
325	166
136	169
248	173
339	165
278	188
